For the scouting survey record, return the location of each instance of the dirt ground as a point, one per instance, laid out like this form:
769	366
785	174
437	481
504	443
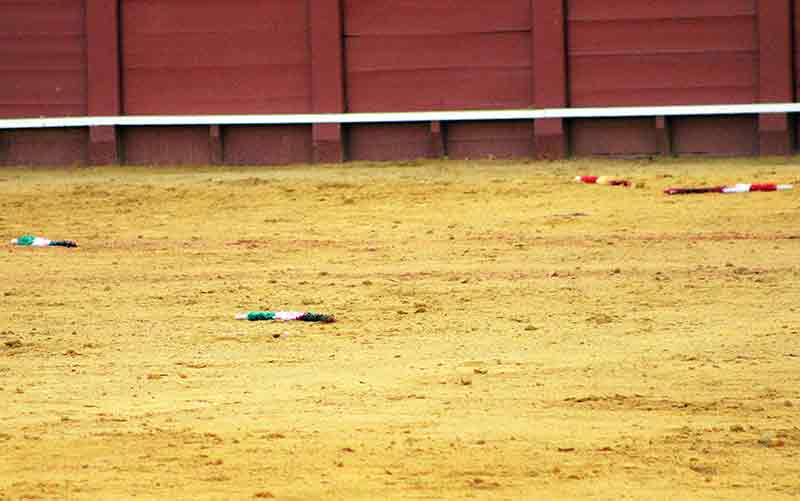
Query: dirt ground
503	333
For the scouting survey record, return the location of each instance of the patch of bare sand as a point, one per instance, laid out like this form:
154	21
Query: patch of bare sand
504	333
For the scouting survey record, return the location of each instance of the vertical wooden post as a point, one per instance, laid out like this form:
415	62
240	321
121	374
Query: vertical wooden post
663	136
327	77
437	140
549	75
103	69
776	77
215	147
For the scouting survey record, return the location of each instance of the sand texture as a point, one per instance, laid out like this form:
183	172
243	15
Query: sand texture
503	333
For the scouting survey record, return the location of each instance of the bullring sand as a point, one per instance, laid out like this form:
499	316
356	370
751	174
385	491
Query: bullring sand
503	333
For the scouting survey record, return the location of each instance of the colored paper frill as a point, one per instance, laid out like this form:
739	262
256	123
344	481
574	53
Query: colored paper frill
304	316
34	241
736	188
606	180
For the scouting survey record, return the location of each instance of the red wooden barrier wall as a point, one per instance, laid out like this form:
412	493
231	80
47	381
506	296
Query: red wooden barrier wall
112	57
640	53
43	73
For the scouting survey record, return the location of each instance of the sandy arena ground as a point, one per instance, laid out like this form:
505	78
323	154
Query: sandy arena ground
504	333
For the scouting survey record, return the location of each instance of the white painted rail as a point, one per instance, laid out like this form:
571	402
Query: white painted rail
421	116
